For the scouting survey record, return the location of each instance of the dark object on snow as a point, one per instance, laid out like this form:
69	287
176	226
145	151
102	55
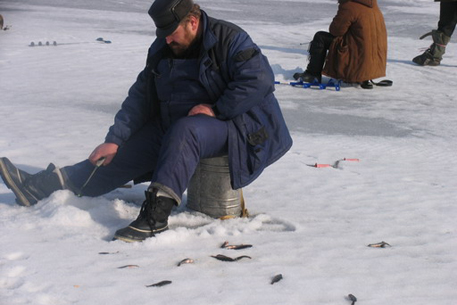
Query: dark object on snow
186	261
106	253
153	218
366	85
352	298
226	245
128	266
276	278
369	84
229	259
1	22
383	83
47	43
103	40
159	284
382	244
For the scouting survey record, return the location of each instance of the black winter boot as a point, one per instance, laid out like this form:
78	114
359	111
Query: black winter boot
153	219
434	54
366	84
29	189
307	77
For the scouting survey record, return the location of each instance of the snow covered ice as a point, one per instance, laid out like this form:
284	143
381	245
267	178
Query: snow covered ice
312	225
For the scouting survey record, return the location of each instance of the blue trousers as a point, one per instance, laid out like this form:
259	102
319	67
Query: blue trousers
172	155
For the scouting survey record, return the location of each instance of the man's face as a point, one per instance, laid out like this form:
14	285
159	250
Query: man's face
180	40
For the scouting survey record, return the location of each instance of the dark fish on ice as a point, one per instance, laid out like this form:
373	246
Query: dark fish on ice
276	278
382	244
352	298
229	259
226	245
159	284
128	266
185	261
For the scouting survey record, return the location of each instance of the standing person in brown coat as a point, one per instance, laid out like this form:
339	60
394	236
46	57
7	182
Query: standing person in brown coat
441	37
356	45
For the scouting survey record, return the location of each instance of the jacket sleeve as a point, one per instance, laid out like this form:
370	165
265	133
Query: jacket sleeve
343	20
134	113
251	78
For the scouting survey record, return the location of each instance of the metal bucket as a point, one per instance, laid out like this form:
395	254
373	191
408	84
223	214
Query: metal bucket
210	192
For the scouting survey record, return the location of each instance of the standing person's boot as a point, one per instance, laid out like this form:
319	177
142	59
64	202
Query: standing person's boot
28	188
434	54
153	218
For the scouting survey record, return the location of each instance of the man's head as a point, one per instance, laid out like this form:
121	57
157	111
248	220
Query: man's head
177	21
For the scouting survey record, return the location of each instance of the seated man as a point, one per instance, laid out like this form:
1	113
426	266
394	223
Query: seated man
356	45
206	91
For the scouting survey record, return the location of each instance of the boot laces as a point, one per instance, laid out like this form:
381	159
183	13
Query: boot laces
148	208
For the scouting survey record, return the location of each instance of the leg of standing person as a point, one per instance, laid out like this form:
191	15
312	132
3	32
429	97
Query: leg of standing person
448	18
441	37
318	49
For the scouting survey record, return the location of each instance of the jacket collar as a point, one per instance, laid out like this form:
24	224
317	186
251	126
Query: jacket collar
209	39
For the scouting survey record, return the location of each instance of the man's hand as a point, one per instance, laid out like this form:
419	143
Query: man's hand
202	109
107	150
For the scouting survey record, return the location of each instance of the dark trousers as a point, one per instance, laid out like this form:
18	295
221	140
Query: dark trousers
448	17
172	156
318	49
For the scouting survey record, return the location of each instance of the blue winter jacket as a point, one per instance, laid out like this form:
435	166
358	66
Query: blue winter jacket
240	83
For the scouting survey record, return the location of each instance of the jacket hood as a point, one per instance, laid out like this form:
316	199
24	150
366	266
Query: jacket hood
369	3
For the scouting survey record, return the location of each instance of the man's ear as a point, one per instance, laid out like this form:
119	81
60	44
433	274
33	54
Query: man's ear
193	21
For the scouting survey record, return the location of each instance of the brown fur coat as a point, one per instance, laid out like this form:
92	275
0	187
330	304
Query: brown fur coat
359	50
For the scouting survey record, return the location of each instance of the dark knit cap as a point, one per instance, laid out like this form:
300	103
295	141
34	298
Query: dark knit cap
167	14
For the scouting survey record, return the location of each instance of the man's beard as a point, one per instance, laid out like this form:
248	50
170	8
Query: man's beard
180	49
